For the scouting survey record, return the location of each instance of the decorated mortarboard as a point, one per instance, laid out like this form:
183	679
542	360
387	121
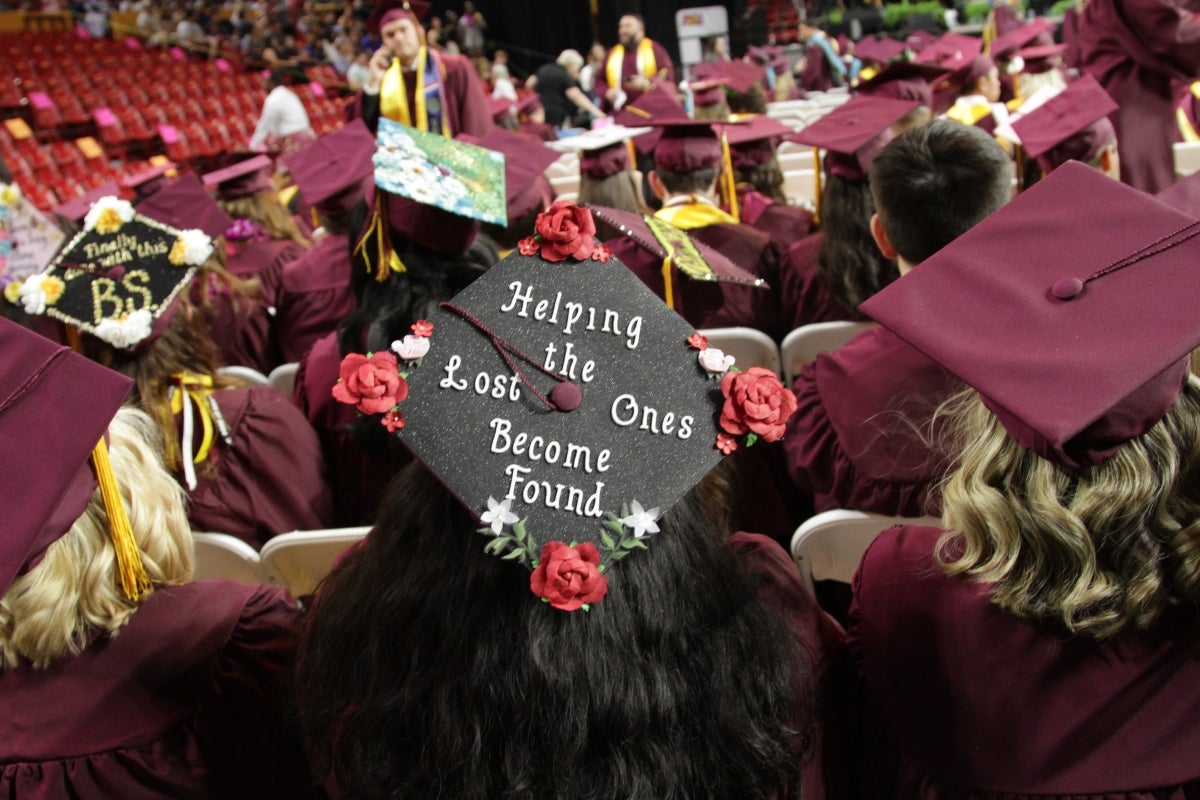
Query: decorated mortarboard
119	277
77	208
1006	46
56	409
524	162
564	406
248	176
1183	195
183	205
904	80
1072	125
951	50
853	133
1072	312
387	11
28	239
656	103
334	173
149	181
881	51
754	142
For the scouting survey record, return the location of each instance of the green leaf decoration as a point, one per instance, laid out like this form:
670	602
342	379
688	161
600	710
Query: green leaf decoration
751	439
606	540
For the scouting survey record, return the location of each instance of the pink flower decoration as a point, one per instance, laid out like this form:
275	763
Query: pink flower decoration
393	421
528	246
422	328
756	402
566	231
602	253
372	384
726	443
698	341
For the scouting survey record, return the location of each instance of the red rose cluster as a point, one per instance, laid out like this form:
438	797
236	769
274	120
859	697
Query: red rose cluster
756	402
564	230
569	577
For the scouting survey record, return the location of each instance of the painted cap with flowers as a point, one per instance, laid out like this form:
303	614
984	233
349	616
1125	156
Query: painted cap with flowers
119	276
565	406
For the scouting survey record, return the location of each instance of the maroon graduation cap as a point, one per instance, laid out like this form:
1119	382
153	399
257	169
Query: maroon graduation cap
1073	124
853	133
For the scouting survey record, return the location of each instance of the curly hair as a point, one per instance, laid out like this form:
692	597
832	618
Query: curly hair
50	612
1094	550
427	669
265	209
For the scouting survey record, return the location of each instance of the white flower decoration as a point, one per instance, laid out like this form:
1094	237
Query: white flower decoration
122	208
640	520
127	331
411	348
33	296
715	360
198	246
498	515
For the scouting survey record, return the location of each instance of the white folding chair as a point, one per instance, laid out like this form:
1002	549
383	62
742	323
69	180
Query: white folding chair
283	377
300	560
808	341
749	347
1187	158
248	374
829	546
219	555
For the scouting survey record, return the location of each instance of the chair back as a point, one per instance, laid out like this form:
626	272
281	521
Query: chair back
1187	158
829	545
749	347
300	560
283	377
808	341
248	374
219	555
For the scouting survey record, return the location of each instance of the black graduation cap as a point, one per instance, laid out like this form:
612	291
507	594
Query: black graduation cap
562	402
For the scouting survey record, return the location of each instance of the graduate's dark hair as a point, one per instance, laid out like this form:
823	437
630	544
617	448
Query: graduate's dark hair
850	265
429	669
699	180
934	182
766	178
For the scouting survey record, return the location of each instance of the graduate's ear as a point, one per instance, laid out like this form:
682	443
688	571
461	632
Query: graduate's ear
656	185
881	238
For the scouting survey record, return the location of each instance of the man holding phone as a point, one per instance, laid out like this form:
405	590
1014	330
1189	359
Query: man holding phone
634	65
416	86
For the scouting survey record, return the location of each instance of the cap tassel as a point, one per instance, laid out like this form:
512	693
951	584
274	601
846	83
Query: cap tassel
817	183
135	583
729	181
668	283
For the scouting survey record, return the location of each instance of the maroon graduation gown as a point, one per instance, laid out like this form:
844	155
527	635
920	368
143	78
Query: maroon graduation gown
780	588
818	72
243	330
466	107
856	439
1139	51
803	298
272	480
358	477
185	702
716	304
971	702
662	59
314	296
783	223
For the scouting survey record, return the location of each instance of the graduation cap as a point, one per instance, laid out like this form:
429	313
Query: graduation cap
738	76
248	176
1006	46
656	103
904	80
951	50
56	410
603	152
1183	195
1041	58
524	162
1071	310
118	279
184	204
686	145
880	50
565	406
529	104
754	142
1072	125
499	107
149	181
708	92
335	172
386	11
853	133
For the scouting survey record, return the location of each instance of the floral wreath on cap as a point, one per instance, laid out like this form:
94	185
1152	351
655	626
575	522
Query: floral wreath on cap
571	576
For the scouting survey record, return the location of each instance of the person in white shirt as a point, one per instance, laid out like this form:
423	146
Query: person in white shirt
284	124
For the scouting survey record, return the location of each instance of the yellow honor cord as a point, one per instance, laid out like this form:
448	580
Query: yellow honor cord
393	95
817	183
729	181
132	572
197	387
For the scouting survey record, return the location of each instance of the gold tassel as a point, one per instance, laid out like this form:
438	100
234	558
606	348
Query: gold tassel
668	283
316	220
817	181
730	180
135	583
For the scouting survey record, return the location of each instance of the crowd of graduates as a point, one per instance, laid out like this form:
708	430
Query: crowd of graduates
576	581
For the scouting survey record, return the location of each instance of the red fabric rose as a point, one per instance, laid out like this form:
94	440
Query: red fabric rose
756	402
698	340
602	253
422	328
567	231
569	576
726	443
394	421
528	246
372	384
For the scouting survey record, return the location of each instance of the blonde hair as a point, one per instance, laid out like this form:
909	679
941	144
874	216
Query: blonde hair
50	611
1095	550
265	209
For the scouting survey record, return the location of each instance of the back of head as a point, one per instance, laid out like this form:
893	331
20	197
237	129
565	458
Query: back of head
50	611
680	684
570	58
934	182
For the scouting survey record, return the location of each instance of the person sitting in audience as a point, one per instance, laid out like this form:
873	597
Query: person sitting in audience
119	677
761	201
1043	644
1072	126
475	678
861	438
